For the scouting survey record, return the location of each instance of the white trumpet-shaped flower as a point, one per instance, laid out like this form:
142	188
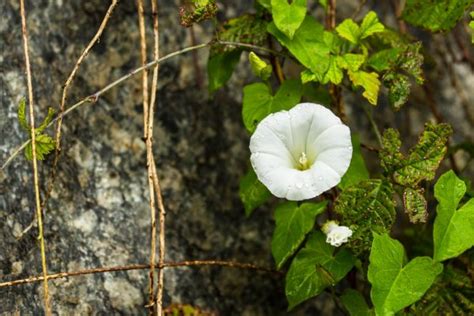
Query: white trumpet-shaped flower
300	153
336	235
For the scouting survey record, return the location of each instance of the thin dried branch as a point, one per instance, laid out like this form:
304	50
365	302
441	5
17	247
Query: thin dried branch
94	97
154	175
69	80
188	263
143	54
39	218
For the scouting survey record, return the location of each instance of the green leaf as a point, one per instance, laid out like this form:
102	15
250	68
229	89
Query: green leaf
415	205
423	159
314	268
349	30
365	207
288	17
259	67
252	192
351	62
453	231
307	45
368	81
293	222
370	25
258	101
44	145
471	25
384	59
220	67
334	73
357	170
440	15
267	4
22	115
355	303
46	121
395	283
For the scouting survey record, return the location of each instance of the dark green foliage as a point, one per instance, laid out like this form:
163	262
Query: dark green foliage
438	15
451	294
293	223
248	29
366	207
252	192
314	268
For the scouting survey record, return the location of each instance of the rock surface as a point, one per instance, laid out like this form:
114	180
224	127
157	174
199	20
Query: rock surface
98	214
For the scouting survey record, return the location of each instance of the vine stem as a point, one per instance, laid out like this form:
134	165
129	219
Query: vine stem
187	263
94	97
39	218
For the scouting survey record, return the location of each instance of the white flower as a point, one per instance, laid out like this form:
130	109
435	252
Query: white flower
336	235
300	153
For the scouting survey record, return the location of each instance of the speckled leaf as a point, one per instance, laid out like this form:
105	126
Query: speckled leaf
293	222
355	303
252	192
415	205
398	89
288	17
314	268
258	101
453	230
423	159
439	15
307	45
365	207
369	81
357	169
395	283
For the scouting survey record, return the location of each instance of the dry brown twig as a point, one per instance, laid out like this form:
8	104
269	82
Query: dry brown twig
155	179
39	218
147	106
187	263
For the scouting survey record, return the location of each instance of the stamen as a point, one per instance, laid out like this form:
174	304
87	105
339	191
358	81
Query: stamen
303	161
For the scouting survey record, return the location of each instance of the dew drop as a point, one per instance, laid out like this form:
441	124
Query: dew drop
299	185
320	178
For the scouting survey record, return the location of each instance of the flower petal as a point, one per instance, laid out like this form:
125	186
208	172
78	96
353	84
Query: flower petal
336	136
338	159
266	140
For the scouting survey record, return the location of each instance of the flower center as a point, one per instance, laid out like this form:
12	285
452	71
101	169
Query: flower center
303	162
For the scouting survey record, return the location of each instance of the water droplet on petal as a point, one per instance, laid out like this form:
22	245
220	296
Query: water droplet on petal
320	178
299	185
